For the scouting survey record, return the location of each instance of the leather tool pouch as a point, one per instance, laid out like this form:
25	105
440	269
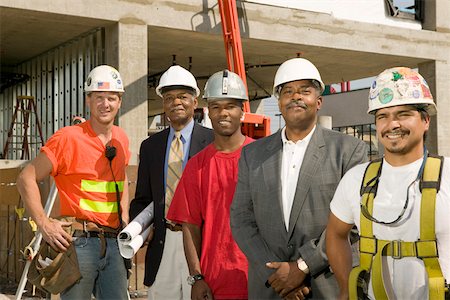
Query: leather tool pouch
61	273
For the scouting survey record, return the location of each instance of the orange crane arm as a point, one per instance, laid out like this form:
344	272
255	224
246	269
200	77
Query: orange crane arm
232	40
254	125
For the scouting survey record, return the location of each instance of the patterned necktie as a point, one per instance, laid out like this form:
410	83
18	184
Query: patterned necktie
174	168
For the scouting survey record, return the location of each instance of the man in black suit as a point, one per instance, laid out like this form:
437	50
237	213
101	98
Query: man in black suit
166	270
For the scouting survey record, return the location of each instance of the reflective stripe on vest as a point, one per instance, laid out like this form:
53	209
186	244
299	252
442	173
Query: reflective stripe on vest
98	206
100	187
372	250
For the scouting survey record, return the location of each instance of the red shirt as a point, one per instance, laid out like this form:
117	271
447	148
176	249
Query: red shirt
203	197
82	173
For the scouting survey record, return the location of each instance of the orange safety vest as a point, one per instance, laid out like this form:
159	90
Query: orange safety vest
83	174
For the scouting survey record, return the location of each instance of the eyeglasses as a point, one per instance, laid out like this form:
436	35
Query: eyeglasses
367	214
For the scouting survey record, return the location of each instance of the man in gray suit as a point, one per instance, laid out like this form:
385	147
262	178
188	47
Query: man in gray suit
285	184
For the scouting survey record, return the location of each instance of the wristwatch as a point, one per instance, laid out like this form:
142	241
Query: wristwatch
302	266
192	279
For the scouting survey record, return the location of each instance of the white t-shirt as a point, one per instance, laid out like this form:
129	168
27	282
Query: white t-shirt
407	275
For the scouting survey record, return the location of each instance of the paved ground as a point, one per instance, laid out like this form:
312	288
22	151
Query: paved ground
8	290
56	297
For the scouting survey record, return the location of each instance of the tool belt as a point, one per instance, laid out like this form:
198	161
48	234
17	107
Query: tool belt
83	228
88	226
61	272
372	249
81	233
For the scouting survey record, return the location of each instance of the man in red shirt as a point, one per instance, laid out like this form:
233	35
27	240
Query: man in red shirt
217	267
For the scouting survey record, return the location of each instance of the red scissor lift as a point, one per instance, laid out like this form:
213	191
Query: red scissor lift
253	125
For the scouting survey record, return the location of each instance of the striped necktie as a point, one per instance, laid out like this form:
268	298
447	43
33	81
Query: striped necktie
174	168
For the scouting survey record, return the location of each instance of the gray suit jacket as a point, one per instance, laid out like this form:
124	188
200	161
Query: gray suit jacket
257	220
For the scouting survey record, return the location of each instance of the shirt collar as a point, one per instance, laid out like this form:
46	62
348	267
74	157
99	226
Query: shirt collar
307	138
186	132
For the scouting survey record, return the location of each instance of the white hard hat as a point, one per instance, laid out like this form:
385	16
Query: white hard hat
104	79
177	76
400	86
225	85
296	69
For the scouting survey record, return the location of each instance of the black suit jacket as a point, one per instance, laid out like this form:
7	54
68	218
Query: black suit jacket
150	188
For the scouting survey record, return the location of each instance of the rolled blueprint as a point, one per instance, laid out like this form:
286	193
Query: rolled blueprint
128	250
134	234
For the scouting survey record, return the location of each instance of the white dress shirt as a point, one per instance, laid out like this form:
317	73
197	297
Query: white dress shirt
292	159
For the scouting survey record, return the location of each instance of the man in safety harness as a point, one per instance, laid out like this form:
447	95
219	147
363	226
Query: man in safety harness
88	164
400	204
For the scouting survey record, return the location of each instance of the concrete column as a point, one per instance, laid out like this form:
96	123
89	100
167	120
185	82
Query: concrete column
442	19
437	75
127	49
429	15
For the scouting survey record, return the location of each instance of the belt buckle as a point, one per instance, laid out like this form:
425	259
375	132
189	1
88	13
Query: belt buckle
169	224
396	247
88	234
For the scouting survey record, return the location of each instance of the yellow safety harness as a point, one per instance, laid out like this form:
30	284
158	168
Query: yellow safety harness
372	249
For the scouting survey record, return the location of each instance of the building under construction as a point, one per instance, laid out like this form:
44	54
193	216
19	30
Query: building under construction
49	47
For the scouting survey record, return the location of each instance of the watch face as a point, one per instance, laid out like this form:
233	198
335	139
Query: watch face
191	280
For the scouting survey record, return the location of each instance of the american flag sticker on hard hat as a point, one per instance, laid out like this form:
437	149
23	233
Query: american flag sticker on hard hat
103	85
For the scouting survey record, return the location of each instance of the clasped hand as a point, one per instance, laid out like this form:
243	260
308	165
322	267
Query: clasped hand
287	280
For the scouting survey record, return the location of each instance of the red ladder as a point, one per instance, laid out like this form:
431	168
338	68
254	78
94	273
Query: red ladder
25	106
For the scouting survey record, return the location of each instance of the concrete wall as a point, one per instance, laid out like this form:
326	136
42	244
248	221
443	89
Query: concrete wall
126	48
368	11
437	74
347	109
340	40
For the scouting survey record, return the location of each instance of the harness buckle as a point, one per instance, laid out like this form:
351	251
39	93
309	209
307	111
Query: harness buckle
396	248
426	249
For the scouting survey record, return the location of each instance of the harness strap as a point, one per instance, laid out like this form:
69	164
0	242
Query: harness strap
359	277
372	250
432	173
399	249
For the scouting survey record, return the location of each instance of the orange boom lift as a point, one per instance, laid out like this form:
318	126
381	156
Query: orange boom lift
253	125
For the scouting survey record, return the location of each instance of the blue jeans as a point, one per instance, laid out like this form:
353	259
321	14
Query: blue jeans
104	277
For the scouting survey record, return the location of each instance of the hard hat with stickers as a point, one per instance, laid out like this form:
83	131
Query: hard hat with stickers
400	86
104	79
